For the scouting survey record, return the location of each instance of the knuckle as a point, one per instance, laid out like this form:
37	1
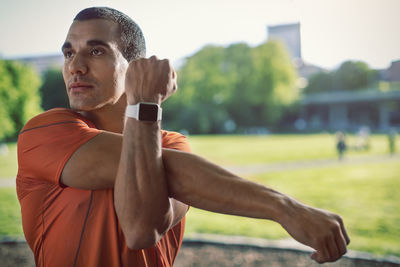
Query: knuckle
338	218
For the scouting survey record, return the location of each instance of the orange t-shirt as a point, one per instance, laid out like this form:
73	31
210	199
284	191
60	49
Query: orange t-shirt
63	225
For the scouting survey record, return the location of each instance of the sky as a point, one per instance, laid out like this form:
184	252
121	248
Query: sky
332	31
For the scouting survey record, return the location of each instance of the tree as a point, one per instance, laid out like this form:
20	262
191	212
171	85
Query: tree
53	90
237	86
354	75
320	82
203	89
19	96
272	83
7	125
350	76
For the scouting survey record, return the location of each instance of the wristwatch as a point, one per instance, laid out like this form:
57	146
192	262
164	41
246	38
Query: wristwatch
144	111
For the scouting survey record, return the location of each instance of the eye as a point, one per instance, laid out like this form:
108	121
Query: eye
96	52
68	54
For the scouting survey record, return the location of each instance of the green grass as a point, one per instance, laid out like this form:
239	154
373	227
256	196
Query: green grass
8	163
243	150
10	214
366	196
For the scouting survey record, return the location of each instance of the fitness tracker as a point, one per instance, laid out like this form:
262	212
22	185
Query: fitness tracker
144	111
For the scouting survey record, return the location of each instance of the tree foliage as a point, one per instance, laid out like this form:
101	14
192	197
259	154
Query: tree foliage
19	97
53	90
350	76
355	75
223	89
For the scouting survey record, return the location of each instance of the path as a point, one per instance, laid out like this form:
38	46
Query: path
287	166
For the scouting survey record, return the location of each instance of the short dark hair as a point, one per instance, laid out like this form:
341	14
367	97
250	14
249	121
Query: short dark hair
132	43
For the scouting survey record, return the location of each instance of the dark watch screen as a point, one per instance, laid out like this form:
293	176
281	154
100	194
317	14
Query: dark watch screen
148	112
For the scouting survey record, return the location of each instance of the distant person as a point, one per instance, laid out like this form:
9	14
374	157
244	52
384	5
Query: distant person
101	184
362	141
3	149
340	144
392	142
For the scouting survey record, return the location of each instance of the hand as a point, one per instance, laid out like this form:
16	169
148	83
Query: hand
319	229
149	80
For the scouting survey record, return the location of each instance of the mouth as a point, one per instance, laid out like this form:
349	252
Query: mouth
79	87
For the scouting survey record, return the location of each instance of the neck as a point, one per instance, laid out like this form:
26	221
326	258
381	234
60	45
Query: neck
109	118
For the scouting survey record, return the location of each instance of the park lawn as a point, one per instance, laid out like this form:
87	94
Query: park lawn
250	149
10	214
8	163
366	196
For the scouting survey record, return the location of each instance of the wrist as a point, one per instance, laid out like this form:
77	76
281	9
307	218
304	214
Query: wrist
133	100
144	111
284	209
291	210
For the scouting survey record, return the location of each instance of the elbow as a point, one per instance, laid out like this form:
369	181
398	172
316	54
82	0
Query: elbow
145	235
178	188
141	239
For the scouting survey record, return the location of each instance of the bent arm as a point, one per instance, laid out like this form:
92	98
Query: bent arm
140	194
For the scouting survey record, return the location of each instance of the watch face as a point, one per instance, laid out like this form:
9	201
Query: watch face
148	112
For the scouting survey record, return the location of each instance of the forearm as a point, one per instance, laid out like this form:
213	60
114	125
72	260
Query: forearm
202	184
140	193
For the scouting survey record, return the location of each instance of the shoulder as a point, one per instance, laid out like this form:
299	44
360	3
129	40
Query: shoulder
54	117
175	140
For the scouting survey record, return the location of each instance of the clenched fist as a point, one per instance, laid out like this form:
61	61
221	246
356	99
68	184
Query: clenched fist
319	229
149	80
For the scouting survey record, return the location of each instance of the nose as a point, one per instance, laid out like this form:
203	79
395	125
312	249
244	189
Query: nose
78	65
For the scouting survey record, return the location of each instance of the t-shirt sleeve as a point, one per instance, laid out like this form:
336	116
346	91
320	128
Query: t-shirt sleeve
47	142
174	140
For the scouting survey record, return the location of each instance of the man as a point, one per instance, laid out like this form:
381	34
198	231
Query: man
103	185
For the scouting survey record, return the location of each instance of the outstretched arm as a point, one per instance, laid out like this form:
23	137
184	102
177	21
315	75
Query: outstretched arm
205	185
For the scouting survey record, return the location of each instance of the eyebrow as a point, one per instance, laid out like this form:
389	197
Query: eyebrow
66	45
94	42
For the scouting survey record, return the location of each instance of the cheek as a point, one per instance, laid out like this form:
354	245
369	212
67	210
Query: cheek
65	77
119	78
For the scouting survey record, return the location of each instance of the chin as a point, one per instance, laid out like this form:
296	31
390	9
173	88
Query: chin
81	107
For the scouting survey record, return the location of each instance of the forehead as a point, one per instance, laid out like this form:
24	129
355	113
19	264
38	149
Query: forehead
94	29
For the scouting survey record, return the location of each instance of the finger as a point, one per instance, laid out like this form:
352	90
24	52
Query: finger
333	249
341	244
153	57
346	236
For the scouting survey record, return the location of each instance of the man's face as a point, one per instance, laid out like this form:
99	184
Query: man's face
94	68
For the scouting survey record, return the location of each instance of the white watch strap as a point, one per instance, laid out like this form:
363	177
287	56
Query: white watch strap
132	111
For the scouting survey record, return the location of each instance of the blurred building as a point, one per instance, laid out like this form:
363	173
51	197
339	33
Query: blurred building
290	36
351	111
392	74
376	108
43	63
